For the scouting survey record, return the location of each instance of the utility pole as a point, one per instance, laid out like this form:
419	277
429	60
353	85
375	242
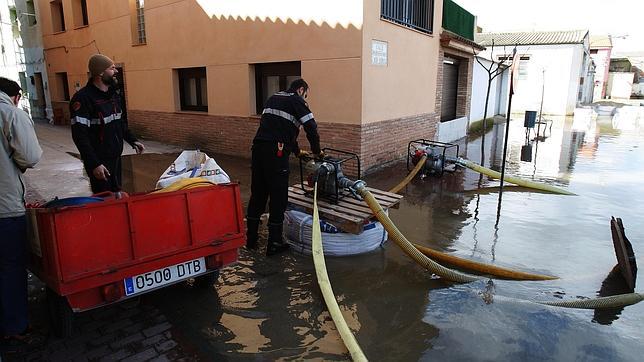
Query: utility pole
492	74
513	75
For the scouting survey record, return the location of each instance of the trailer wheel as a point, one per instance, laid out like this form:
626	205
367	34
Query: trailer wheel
207	280
61	316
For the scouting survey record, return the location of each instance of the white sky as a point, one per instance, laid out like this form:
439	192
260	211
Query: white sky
615	17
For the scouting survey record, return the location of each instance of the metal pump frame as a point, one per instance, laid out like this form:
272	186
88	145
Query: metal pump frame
337	162
424	142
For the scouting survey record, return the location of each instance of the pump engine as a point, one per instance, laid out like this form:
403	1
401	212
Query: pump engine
333	185
441	156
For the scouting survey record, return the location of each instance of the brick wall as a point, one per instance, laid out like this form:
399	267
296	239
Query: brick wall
212	134
376	143
464	92
386	141
439	82
465	69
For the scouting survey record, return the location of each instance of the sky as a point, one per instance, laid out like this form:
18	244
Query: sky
614	17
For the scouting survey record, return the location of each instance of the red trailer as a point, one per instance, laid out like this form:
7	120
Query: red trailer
105	252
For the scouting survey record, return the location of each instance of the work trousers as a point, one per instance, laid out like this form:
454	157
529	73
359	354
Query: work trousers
269	182
113	183
13	275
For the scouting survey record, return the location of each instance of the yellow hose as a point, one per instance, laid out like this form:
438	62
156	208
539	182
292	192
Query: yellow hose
613	301
409	177
515	180
486	269
452	275
184	184
463	263
325	285
406	246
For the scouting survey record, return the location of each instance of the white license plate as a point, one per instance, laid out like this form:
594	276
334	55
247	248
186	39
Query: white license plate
160	277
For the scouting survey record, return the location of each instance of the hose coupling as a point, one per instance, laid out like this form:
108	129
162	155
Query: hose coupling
357	188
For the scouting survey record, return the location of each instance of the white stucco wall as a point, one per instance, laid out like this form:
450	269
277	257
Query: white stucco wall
479	88
560	66
620	85
452	130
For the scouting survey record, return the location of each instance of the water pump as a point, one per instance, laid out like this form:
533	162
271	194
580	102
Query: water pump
441	156
333	185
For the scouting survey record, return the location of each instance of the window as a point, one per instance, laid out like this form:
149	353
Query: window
523	65
62	86
31	13
193	89
80	13
415	14
57	16
140	21
137	22
593	51
271	78
13	16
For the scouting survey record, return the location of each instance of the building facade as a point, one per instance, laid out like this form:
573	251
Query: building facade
601	47
37	82
196	73
455	71
555	64
12	56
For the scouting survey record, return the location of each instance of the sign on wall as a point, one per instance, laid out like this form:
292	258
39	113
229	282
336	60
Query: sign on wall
378	52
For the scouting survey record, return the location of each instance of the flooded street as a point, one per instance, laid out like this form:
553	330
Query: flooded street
271	308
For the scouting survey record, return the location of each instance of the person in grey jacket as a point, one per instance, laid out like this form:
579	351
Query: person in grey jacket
19	151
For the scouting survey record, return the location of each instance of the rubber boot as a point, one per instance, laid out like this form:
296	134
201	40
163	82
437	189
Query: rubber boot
252	227
276	244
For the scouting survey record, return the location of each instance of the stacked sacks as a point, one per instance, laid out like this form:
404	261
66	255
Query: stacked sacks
298	231
193	164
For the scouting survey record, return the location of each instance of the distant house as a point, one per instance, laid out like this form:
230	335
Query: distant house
600	50
557	62
624	79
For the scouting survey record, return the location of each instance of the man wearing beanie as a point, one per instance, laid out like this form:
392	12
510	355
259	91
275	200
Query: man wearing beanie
99	126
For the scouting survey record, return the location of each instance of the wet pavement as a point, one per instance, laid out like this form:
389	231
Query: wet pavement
271	308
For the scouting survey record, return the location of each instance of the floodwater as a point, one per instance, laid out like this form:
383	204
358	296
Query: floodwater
271	308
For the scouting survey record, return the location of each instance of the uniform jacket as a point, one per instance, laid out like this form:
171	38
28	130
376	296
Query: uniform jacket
98	125
282	118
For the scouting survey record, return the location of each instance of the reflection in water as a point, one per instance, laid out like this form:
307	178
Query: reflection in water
526	152
476	221
613	284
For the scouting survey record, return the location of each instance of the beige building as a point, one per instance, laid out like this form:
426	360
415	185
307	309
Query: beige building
196	72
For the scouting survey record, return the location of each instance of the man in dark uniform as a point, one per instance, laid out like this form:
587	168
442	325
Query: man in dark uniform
99	126
276	138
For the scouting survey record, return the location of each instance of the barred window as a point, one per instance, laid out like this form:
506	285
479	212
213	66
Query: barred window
140	21
415	14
